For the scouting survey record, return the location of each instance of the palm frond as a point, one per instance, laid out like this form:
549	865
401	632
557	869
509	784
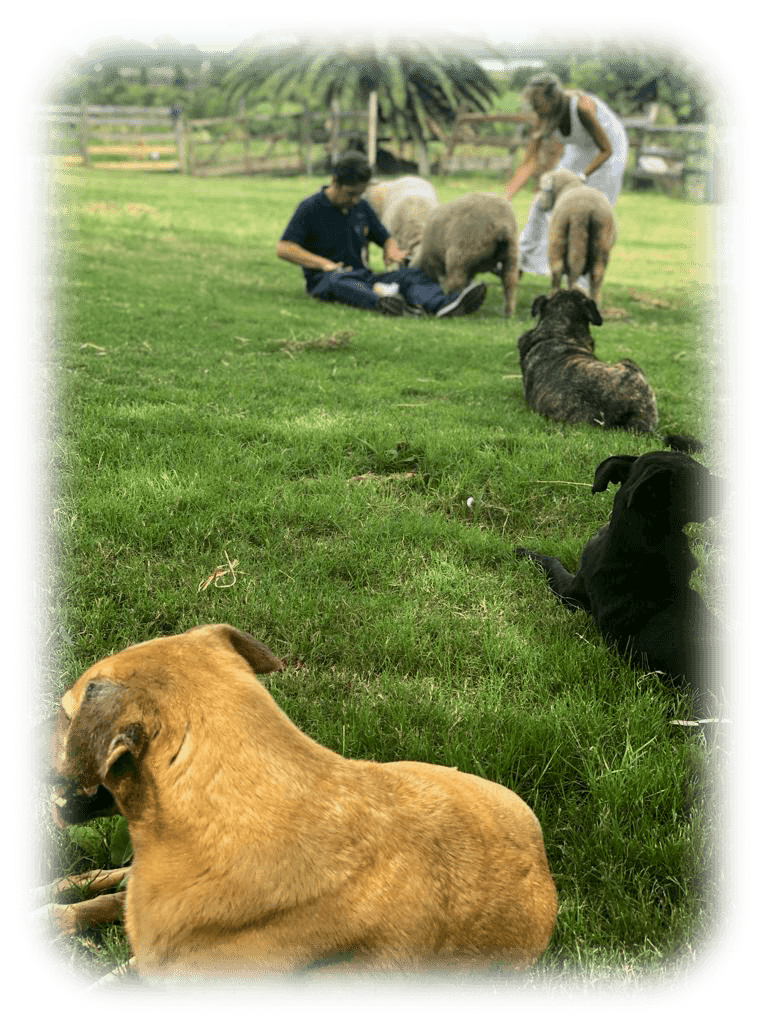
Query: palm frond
417	84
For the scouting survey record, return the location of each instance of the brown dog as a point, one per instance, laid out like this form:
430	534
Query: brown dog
564	380
258	850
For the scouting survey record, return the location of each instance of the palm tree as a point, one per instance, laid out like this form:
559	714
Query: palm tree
414	88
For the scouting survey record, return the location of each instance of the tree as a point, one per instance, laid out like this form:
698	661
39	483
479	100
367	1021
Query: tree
110	53
418	89
658	55
168	50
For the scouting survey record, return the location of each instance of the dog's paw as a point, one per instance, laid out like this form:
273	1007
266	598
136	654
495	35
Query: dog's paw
524	553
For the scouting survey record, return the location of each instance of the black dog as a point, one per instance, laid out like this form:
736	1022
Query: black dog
634	573
563	378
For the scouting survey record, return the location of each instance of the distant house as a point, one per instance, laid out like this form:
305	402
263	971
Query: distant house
492	66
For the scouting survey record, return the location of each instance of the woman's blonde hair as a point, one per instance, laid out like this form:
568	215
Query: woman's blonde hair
549	87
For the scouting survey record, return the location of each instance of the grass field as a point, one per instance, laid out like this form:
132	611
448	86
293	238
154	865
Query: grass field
208	416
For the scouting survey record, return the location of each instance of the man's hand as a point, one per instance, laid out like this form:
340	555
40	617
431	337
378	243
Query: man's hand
304	258
392	254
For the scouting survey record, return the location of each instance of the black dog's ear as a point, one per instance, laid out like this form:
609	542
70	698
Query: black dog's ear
538	305
651	493
700	494
590	308
613	470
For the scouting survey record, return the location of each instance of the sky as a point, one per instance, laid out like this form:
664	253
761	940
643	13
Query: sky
213	37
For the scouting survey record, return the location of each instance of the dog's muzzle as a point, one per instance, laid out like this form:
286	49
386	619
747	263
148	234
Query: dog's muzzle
71	807
71	802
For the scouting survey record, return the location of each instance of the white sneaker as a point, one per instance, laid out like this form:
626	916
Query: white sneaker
467	301
381	289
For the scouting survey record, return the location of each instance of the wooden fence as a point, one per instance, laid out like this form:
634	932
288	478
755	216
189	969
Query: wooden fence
159	139
669	156
306	142
254	143
145	138
676	157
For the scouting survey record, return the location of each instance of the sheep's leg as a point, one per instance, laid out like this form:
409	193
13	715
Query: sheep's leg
509	281
557	259
456	276
509	278
603	244
578	249
596	279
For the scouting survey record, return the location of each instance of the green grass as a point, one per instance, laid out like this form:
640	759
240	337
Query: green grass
207	413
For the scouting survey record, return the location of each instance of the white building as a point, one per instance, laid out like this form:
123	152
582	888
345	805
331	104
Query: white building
514	65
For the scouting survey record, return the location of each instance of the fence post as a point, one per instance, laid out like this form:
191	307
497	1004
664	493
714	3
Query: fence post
422	157
84	134
306	137
373	127
180	130
335	130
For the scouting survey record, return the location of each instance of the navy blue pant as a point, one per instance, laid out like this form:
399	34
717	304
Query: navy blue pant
355	288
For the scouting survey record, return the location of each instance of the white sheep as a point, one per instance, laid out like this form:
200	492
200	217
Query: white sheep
582	229
403	206
473	234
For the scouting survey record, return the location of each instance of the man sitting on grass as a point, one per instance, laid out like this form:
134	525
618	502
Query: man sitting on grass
327	235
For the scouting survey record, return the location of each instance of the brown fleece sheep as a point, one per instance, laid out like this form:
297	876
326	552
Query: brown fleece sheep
403	206
470	235
582	229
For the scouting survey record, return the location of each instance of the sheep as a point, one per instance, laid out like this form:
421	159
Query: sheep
473	234
582	229
403	206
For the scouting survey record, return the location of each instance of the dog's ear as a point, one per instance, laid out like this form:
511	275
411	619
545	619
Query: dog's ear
102	739
538	305
700	493
124	749
591	310
651	493
258	656
613	470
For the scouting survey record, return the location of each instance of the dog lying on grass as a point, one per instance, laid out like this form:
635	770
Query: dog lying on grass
634	573
257	851
564	380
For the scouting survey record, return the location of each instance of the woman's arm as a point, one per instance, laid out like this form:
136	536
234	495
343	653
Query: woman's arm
526	168
586	111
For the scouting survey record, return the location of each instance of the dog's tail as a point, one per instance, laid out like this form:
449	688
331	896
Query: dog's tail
683	443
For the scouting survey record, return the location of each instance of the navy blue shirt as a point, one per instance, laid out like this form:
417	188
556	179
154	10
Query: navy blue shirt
320	227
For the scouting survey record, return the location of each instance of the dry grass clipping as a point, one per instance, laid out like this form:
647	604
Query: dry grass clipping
325	343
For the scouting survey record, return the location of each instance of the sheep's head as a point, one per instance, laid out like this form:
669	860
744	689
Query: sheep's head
545	195
552	183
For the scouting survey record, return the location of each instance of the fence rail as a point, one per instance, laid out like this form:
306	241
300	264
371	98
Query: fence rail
670	155
147	138
305	142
